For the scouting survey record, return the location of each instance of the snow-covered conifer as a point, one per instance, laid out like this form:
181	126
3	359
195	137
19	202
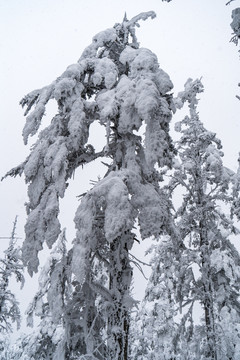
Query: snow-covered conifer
10	266
204	267
121	86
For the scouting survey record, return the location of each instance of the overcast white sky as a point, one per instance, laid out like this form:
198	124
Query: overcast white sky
40	38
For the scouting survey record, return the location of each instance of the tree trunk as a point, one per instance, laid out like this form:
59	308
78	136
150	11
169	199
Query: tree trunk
207	299
211	353
210	324
119	285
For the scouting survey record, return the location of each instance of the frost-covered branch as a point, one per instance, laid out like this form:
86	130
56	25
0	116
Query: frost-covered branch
131	24
18	170
105	293
138	266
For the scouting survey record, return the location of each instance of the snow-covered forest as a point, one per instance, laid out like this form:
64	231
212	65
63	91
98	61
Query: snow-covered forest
158	180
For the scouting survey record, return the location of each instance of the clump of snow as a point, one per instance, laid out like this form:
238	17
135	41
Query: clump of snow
33	120
99	41
178	103
118	213
227	175
192	88
163	81
64	88
78	125
37	187
221	260
73	71
42	223
119	217
147	99
79	258
51	223
54	158
214	161
144	61
105	70
107	104
84	242
126	95
103	36
127	55
152	208
34	160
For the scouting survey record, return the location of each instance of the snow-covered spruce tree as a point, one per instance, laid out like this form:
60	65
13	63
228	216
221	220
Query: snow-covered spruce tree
10	265
47	340
120	85
205	267
205	225
153	330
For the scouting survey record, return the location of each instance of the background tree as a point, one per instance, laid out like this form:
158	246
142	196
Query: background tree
10	265
47	339
122	87
204	268
205	224
154	329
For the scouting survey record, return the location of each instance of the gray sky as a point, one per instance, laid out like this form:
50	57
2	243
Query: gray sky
40	38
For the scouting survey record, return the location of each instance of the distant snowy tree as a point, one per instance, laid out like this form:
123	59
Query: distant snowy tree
10	266
204	267
121	86
47	340
154	329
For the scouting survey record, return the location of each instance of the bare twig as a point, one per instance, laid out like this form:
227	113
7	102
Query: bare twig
137	264
140	261
229	2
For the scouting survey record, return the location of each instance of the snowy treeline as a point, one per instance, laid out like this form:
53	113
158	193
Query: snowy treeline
84	300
